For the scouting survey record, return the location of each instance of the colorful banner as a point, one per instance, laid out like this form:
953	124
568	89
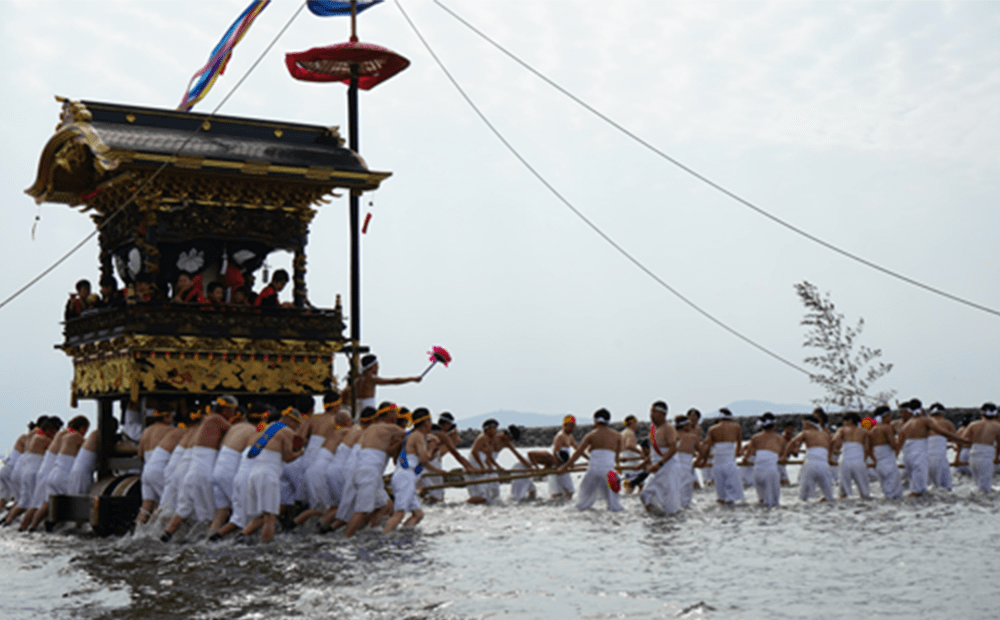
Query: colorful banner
202	81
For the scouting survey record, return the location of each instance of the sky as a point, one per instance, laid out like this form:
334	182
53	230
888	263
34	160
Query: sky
873	125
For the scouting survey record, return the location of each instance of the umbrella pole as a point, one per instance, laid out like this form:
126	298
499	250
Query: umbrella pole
355	210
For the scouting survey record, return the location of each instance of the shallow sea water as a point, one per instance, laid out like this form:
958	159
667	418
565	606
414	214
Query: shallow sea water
930	557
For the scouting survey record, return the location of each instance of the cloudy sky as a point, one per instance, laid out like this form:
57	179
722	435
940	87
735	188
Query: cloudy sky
874	125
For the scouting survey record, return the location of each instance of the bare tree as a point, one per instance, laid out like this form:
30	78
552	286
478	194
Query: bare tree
844	373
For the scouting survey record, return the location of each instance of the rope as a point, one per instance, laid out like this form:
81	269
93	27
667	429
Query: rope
584	218
714	185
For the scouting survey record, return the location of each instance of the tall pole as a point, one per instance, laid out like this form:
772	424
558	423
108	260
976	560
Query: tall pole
352	137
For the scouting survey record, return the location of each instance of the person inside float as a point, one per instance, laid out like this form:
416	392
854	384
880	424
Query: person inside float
81	301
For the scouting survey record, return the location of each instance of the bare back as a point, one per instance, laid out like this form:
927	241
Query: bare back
883	435
239	436
56	443
336	437
603	437
92	440
687	441
765	440
190	434
322	424
725	432
39	444
815	438
629	440
917	427
71	444
212	430
171	438
352	436
942	422
152	435
381	436
983	432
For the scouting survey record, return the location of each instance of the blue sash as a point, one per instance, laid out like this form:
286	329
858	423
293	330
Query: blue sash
402	457
258	445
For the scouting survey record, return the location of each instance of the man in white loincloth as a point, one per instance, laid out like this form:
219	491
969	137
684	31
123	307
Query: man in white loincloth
664	488
766	448
241	434
196	496
31	461
9	475
48	461
854	444
154	461
293	476
631	453
341	470
260	416
984	454
520	488
57	480
274	448
913	435
483	458
884	450
725	437
377	442
414	459
447	439
816	470
561	485
787	433
324	490
938	467
602	445
687	447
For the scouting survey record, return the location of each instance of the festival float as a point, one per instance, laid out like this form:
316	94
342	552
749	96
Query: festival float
172	191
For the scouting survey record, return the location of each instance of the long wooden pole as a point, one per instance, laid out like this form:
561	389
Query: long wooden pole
355	217
506	478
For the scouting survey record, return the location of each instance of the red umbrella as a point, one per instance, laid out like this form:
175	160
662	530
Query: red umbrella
332	63
438	354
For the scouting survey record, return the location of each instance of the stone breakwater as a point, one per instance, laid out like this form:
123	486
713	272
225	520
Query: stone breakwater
543	435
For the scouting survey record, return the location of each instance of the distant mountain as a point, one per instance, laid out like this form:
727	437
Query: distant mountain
520	418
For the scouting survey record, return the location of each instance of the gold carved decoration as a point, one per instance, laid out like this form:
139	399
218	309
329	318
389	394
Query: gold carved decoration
66	154
141	364
72	112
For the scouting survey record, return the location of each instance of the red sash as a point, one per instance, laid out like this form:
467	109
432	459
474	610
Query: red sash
652	439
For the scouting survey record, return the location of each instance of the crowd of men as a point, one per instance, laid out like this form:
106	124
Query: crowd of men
857	454
243	469
232	289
